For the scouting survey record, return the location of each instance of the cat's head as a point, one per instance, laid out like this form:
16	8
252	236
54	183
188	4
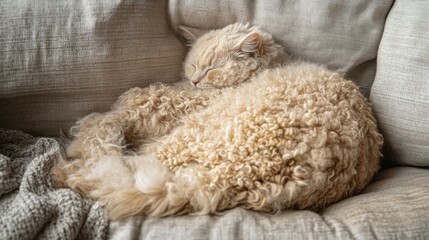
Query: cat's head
228	56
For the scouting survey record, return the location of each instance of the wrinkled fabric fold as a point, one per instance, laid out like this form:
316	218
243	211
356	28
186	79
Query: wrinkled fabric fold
31	208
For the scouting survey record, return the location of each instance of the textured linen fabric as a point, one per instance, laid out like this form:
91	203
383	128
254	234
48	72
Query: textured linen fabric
30	208
394	206
400	94
344	35
61	60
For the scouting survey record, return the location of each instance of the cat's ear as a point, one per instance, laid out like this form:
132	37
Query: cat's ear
251	43
191	34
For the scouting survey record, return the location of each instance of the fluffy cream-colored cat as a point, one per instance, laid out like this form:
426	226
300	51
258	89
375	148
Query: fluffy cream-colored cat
243	130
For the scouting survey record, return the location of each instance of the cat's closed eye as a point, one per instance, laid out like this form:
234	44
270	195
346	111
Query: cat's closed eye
200	74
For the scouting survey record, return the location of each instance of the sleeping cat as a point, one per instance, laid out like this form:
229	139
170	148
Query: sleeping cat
246	128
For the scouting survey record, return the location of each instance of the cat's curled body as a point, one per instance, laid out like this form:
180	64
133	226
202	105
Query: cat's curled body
249	133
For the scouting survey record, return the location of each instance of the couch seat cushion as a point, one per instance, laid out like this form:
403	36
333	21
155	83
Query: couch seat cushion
394	206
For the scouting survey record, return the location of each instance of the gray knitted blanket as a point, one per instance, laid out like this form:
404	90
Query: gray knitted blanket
30	208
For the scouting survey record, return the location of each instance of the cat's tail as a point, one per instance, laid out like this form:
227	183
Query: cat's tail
158	192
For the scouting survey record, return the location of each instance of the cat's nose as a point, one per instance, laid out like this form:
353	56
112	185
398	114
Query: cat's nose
197	77
195	81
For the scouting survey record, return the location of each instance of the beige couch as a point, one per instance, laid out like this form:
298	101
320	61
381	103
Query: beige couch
61	60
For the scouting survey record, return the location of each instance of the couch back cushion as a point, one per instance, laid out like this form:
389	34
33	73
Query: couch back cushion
344	35
400	93
61	60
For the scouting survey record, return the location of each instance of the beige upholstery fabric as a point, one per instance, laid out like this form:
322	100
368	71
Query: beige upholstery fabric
400	93
61	60
344	35
394	206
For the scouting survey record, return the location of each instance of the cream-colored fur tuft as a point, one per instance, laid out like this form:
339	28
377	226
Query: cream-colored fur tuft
249	129
150	175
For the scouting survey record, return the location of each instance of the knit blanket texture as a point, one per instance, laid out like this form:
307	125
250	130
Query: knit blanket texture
30	207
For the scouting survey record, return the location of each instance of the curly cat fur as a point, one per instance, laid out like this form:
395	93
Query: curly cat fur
284	137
